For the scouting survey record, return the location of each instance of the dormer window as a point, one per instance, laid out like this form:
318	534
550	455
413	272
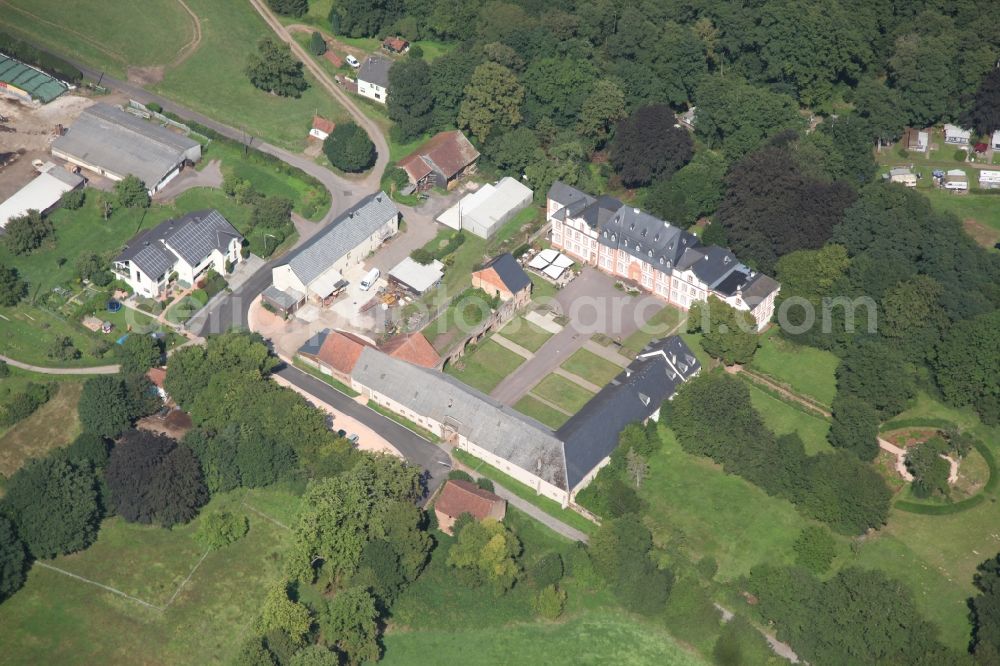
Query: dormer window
661	261
656	238
643	233
650	253
637	247
613	237
605	233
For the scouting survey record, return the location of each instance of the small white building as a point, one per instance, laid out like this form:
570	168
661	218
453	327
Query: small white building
903	176
42	193
989	179
487	209
316	270
187	246
956	136
995	140
417	278
373	78
956	180
321	128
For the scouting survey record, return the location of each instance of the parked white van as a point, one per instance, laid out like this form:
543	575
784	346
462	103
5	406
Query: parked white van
370	278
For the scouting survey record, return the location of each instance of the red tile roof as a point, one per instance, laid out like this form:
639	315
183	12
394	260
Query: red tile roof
396	44
341	350
458	497
322	124
157	376
412	348
450	152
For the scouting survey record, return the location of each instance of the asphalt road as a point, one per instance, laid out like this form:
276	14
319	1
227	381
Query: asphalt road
432	458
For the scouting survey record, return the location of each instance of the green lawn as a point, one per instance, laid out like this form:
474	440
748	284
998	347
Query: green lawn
541	290
213	81
562	393
549	506
110	34
605	636
56	619
657	326
522	332
716	514
539	411
485	367
585	363
805	370
979	213
783	418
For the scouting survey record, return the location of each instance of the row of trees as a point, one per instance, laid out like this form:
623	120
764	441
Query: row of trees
712	416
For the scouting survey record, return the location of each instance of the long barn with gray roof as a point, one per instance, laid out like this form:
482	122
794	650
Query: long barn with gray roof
554	464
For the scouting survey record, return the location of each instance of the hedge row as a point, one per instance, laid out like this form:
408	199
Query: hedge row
899	424
43	60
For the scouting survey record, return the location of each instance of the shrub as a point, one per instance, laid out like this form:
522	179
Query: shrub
549	602
421	256
4	369
23	404
707	567
73	199
317	45
484	483
154	107
815	549
457	474
349	149
960	155
903	152
547	571
221	528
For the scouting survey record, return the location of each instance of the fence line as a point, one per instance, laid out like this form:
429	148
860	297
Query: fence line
100	585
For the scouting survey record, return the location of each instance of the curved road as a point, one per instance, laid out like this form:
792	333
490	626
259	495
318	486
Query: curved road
96	370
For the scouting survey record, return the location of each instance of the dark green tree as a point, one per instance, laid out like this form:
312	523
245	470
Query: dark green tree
104	406
738	117
882	107
647	145
273	69
693	192
13	560
92	267
815	549
54	505
854	427
728	334
967	365
289	7
138	353
12	287
272	213
131	192
349	624
409	105
492	100
317	45
878	374
73	200
89	448
985	615
348	148
930	471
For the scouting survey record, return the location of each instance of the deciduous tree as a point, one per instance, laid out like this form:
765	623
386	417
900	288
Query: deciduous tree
272	68
815	549
647	146
152	478
290	7
409	105
854	427
12	287
138	353
348	148
487	553
26	233
984	112
279	612
930	471
104	406
728	334
54	505
13	559
349	622
985	614
131	192
492	100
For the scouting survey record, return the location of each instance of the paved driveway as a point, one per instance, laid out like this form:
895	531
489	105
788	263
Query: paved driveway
593	305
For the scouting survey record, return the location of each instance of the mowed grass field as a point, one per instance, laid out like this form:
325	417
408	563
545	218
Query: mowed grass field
54	424
784	418
805	370
108	34
213	80
59	619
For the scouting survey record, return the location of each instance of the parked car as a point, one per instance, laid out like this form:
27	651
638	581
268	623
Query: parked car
342	433
352	61
353	439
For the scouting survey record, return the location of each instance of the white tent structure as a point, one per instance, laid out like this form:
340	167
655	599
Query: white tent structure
550	262
487	209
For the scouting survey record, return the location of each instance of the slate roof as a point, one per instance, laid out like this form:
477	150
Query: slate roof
646	237
562	458
509	271
448	152
105	136
638	391
341	236
485	422
375	70
595	211
191	238
459	496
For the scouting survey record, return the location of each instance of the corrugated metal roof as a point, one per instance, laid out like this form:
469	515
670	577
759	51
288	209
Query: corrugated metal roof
41	193
342	235
107	137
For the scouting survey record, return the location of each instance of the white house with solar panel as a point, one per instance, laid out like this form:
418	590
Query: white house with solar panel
187	246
